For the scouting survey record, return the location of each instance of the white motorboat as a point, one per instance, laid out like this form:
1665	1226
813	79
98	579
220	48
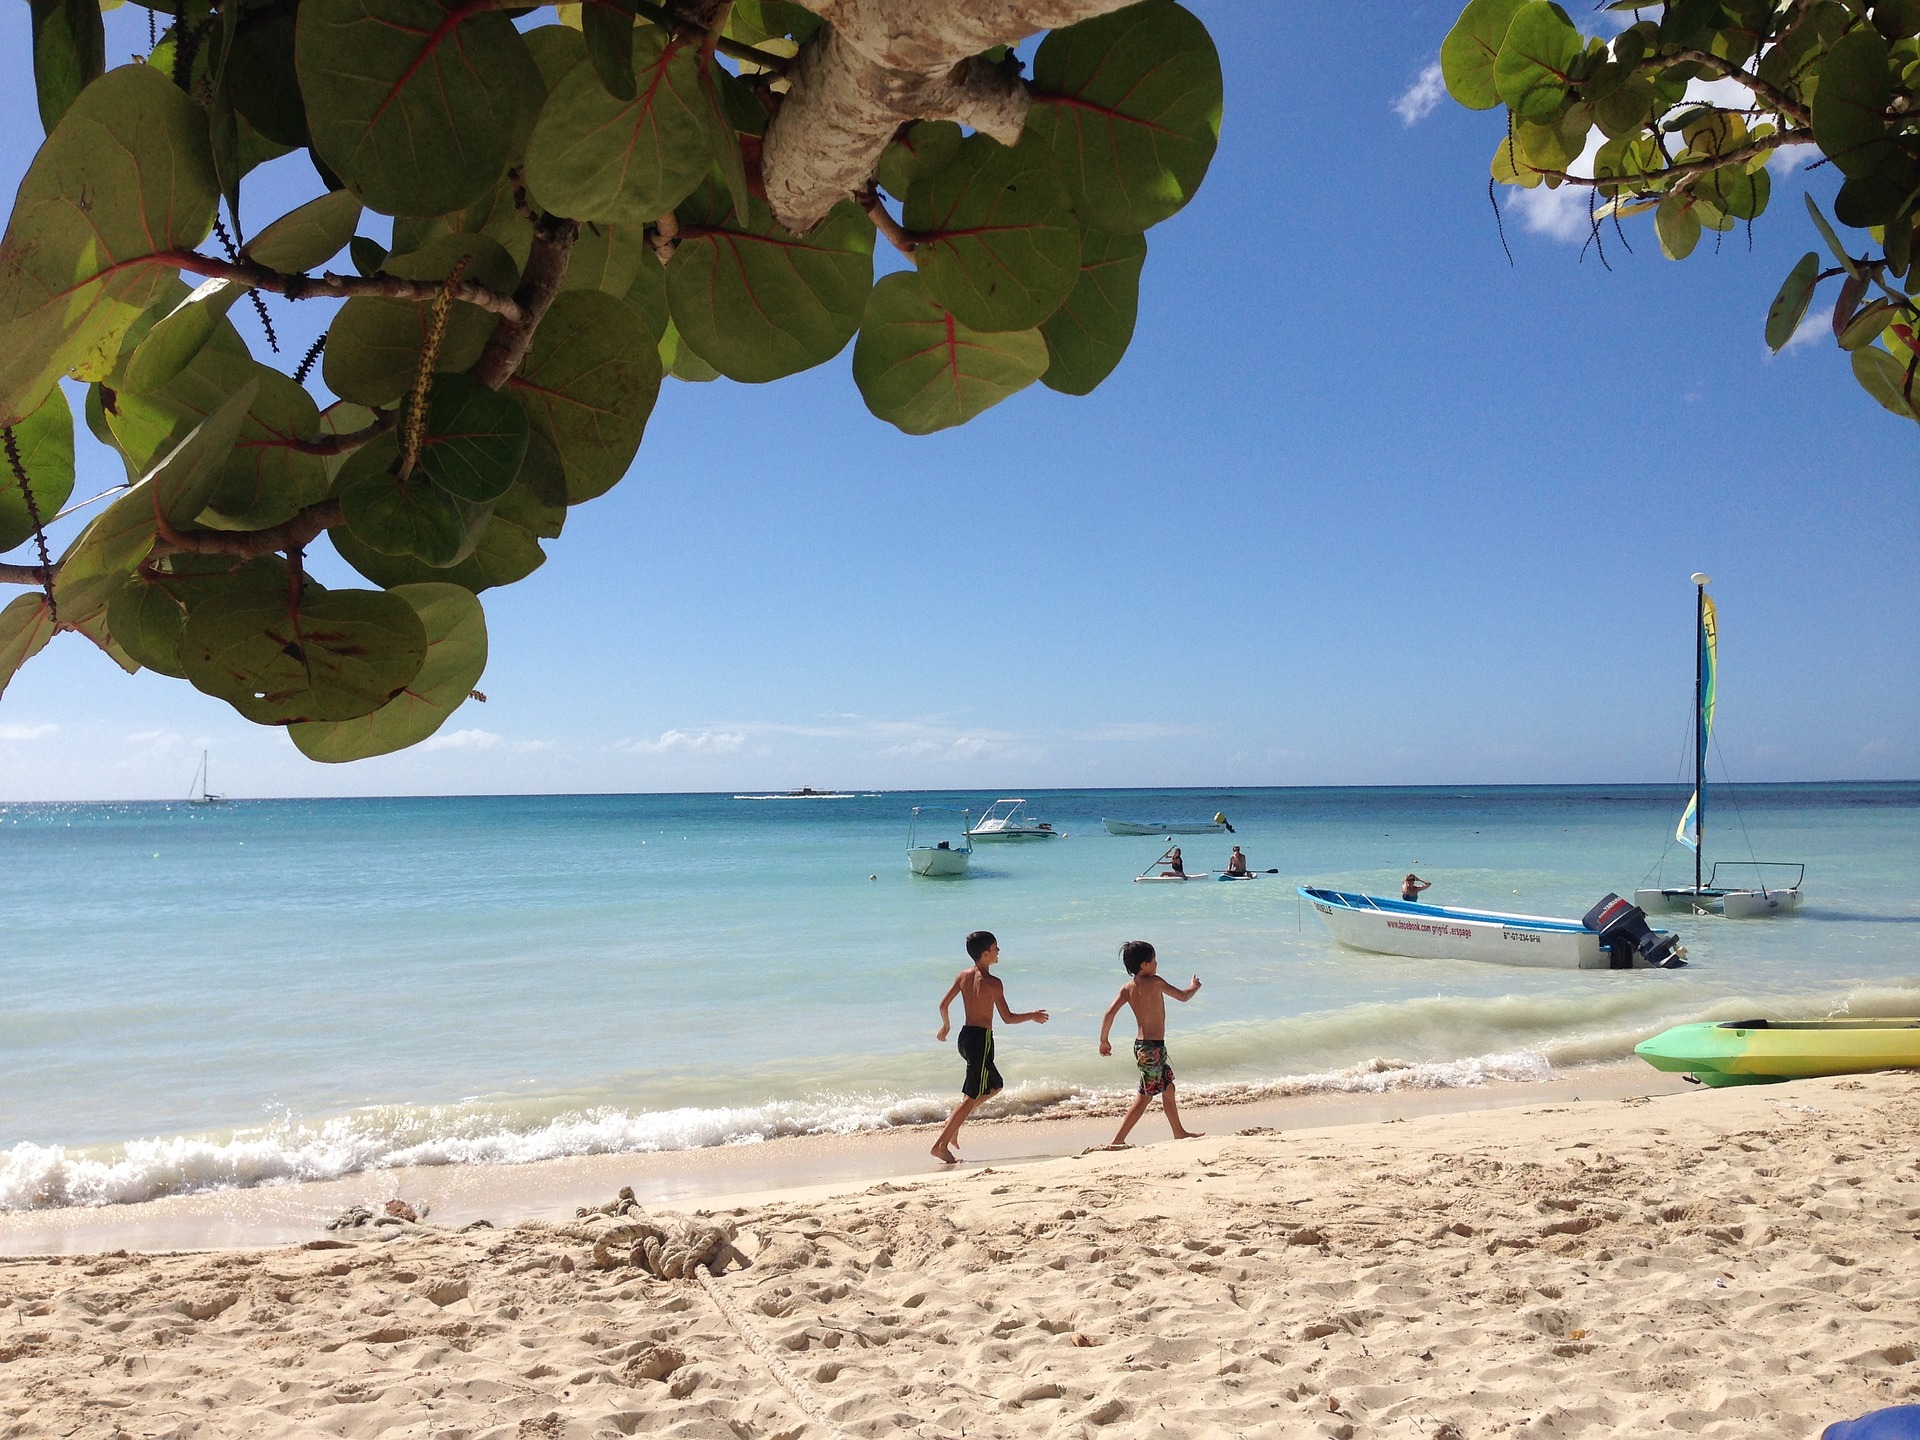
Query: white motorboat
1008	820
1614	935
1169	827
942	858
1707	896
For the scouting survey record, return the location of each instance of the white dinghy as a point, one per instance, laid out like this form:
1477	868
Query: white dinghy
1614	935
940	859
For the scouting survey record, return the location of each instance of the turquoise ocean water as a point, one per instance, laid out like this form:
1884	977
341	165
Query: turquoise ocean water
263	991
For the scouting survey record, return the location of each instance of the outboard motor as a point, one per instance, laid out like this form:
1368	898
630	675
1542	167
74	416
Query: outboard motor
1625	934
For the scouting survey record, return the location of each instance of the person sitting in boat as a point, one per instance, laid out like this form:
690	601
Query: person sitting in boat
1236	862
1176	867
1411	887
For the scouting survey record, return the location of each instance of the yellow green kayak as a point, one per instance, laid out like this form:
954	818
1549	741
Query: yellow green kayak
1749	1052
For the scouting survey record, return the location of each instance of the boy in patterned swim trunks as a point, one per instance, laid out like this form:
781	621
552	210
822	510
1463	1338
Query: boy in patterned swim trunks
1147	993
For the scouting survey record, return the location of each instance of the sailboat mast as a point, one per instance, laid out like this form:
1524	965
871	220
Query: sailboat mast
1699	725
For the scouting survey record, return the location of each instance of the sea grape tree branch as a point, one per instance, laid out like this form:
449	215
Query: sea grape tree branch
553	238
1773	98
294	534
339	287
879	64
1685	169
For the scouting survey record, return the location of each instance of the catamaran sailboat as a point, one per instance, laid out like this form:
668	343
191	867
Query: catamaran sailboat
1008	820
197	793
1707	895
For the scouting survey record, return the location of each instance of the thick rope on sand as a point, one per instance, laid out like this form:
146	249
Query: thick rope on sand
688	1250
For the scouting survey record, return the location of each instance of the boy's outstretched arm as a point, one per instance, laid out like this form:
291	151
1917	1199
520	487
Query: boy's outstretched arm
1181	995
1013	1019
945	1001
1106	1021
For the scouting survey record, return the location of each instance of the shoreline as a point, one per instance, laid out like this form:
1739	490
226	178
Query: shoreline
725	1176
1718	1263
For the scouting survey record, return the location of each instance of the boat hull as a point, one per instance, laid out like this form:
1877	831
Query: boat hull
1021	833
1756	1051
1172	827
1434	932
933	861
1734	904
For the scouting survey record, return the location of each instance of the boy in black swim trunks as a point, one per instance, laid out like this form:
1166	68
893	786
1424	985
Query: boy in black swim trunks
982	994
1146	992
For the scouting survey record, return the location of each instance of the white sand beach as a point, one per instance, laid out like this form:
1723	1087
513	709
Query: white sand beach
1718	1263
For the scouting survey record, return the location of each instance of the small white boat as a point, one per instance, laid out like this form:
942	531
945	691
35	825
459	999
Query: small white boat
1169	827
1614	935
1707	896
1008	820
941	858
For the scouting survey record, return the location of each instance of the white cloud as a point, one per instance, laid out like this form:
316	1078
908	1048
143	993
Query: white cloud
26	732
711	742
463	740
1558	214
1815	327
1422	97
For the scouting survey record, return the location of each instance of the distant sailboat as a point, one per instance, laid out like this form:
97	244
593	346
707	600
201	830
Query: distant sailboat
197	793
1708	896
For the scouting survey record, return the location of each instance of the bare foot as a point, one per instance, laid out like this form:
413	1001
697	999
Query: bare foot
944	1153
1188	1134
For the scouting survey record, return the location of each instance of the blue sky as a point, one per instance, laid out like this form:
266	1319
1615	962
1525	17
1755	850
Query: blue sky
1363	505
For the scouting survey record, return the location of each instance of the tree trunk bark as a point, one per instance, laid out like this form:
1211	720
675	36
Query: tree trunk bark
878	64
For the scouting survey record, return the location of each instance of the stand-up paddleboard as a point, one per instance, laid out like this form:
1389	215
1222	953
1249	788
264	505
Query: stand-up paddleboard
1172	879
1749	1052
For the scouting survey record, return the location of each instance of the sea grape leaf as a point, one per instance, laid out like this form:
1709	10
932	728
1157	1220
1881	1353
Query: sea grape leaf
996	241
1736	193
588	384
1867	325
608	257
757	303
922	370
25	628
261	75
69	50
170	346
1536	60
607	30
755	21
922	148
475	440
596	157
1087	336
1678	227
44	443
343	417
414	103
373	348
725	97
678	360
1850	103
1884	378
648	295
413	516
337	655
1468	53
456	657
1877	199
125	178
268	477
494	216
556	49
507	551
106	553
147	616
1129	104
1789	307
307	236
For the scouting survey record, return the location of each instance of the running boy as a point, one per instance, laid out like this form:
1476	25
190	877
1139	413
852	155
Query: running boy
1147	993
981	993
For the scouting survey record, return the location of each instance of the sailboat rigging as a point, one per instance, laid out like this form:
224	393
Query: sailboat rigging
197	793
1706	895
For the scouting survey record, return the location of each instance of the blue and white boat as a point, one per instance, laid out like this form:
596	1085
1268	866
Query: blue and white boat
1614	934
